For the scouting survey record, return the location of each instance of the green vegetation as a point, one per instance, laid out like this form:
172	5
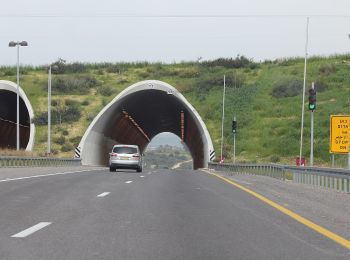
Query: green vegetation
166	157
265	97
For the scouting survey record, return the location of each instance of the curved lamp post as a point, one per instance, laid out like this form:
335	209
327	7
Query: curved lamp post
17	44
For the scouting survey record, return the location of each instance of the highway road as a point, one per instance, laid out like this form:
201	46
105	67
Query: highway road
163	214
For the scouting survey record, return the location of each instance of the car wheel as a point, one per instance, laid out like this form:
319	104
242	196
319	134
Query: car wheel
139	169
111	169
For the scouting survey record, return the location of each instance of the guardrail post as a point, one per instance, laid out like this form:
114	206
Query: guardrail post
331	182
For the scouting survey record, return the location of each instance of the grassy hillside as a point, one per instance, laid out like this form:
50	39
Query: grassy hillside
265	97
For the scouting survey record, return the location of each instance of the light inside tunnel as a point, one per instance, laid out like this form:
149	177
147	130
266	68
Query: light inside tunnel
139	113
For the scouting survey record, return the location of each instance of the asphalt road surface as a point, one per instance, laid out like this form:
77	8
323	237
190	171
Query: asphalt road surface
151	215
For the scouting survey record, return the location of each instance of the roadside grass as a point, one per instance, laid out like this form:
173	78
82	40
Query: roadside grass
12	152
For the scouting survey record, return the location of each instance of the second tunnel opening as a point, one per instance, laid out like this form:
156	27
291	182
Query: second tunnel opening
8	120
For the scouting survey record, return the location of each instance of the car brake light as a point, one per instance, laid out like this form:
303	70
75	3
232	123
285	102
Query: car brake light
114	154
136	155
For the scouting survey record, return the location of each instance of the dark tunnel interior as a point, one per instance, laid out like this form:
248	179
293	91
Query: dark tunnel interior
8	119
155	111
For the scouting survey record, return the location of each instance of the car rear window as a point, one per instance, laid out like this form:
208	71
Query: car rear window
125	150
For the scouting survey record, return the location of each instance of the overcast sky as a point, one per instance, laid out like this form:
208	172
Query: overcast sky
168	31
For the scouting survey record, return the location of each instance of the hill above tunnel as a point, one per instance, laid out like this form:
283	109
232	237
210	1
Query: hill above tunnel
264	96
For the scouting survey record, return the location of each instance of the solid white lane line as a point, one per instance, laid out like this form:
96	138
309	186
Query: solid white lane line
128	182
103	194
45	175
142	176
32	229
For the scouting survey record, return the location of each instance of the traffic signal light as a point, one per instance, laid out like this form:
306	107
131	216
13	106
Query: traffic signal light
234	126
312	99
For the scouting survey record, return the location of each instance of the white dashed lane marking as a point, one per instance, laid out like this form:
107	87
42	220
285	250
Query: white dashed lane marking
142	176
32	230
103	194
128	182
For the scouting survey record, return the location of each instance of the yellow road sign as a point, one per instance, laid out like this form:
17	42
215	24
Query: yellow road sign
339	133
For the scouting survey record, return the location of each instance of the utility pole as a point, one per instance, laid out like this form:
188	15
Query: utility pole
223	118
304	86
349	140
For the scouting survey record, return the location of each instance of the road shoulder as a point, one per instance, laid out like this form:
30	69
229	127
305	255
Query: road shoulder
327	208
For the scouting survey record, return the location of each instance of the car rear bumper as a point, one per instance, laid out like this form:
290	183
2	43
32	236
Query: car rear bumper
124	164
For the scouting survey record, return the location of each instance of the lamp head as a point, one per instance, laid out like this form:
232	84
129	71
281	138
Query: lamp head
12	44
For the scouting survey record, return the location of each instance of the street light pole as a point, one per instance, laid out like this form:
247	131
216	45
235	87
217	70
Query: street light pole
49	113
17	44
17	122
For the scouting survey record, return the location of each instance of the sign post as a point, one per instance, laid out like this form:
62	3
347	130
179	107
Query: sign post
312	139
349	159
234	148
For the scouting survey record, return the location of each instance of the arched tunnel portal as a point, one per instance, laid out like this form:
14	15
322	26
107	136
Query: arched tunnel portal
8	117
139	113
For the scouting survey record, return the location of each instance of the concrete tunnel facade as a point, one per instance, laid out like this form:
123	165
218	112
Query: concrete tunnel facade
139	113
8	117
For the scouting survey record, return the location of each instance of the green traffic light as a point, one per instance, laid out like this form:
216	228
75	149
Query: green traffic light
312	99
234	127
312	106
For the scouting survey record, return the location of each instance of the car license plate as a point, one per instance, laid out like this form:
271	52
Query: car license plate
124	158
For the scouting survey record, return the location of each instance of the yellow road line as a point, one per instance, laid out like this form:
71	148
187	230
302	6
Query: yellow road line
336	238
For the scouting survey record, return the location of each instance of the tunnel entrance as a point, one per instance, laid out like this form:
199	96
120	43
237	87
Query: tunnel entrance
139	113
8	117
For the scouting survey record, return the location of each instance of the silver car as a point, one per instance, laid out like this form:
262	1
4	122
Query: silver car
125	156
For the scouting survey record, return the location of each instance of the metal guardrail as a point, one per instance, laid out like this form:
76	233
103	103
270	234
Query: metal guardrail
17	161
335	179
271	170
